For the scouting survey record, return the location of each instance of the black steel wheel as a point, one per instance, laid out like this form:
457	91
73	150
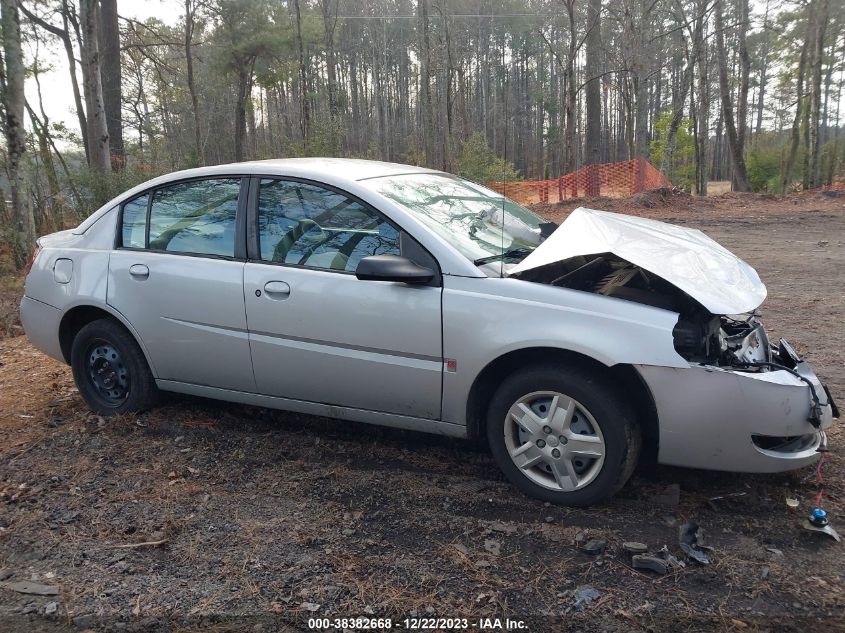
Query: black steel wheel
107	372
110	369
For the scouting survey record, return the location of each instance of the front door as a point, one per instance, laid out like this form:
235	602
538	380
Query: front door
318	333
177	279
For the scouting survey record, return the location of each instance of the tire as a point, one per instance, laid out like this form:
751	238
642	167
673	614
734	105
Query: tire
110	369
594	442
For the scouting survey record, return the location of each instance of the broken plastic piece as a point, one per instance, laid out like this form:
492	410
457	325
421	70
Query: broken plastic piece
635	547
670	558
817	522
691	537
651	563
792	503
584	596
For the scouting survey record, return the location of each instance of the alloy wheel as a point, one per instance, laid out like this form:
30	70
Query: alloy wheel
554	440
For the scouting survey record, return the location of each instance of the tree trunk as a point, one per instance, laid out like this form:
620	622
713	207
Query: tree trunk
702	116
378	99
447	94
744	71
244	89
190	11
816	92
98	134
304	114
592	132
828	81
735	139
641	116
51	208
74	82
329	24
111	76
795	136
639	26
571	100
356	106
764	63
13	107
425	82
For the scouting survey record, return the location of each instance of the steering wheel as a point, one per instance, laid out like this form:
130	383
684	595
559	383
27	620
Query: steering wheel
291	237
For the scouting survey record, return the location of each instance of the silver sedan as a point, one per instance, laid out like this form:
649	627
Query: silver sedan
412	298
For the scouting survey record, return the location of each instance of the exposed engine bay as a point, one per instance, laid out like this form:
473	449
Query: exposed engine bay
738	342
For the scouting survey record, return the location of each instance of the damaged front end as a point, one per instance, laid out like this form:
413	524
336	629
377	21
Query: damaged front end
742	404
699	336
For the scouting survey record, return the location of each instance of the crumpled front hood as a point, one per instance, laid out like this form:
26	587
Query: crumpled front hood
686	258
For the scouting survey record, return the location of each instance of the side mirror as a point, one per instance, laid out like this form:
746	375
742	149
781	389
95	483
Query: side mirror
392	268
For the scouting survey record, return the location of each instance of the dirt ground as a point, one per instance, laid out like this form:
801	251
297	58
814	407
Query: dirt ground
202	515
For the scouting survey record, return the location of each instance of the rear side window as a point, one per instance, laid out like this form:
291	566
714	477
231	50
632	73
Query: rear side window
195	217
135	222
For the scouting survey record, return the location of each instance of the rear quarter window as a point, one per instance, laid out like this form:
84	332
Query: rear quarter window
134	231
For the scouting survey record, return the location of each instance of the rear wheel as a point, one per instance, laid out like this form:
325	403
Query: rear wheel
562	435
110	370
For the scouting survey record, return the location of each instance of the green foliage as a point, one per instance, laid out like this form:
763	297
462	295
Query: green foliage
480	164
681	171
325	140
96	188
764	167
833	161
765	160
415	155
245	31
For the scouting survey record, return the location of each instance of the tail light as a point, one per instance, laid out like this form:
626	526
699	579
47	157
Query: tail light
33	257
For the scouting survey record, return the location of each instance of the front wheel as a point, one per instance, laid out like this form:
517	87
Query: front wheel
110	370
562	435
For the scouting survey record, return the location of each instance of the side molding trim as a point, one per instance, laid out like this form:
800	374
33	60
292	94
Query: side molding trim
315	408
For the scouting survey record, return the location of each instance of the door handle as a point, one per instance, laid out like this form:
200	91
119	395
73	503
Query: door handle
277	289
139	271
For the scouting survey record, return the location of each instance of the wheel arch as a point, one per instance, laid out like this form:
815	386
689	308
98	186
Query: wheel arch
81	315
630	382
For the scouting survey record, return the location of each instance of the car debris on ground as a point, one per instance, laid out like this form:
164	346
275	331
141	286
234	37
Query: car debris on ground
691	537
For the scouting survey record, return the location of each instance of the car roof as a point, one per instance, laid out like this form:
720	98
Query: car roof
317	167
334	171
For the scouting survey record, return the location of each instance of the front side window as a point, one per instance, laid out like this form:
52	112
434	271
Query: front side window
477	221
308	225
197	216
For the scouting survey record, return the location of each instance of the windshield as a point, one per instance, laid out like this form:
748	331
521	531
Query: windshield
467	215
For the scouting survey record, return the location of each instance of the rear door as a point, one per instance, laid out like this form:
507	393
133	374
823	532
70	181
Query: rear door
317	332
177	276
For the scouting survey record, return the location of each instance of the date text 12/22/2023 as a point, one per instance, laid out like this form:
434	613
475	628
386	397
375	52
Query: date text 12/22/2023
416	624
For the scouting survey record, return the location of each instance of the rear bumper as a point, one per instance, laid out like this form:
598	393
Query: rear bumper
720	419
41	324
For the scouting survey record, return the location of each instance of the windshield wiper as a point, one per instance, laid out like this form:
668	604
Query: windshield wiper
514	252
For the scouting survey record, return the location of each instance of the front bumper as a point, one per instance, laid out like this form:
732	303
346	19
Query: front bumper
722	419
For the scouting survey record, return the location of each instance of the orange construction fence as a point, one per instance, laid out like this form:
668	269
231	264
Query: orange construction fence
613	180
